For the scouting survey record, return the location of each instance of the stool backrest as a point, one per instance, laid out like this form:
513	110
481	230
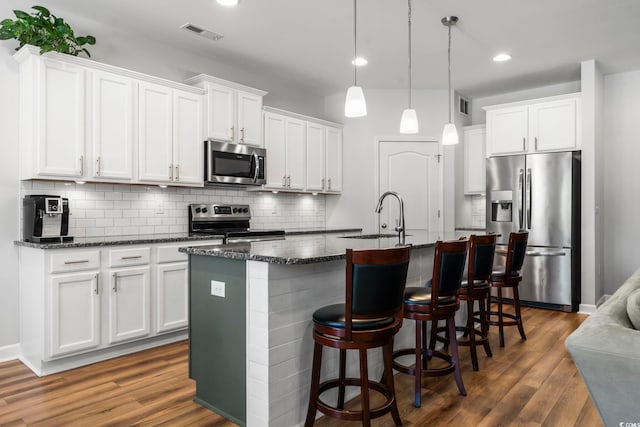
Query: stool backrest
516	252
448	268
375	281
481	253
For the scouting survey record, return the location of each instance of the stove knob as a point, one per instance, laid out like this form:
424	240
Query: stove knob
205	210
245	210
198	210
235	210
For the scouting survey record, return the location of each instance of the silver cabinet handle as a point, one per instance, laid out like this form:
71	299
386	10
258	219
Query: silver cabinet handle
524	144
81	165
97	288
82	261
233	133
177	172
535	143
115	282
538	253
284	180
322	181
289	181
98	166
131	257
171	172
329	180
384	226
242	135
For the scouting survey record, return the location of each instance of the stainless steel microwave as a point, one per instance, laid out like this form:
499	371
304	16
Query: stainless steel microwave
227	163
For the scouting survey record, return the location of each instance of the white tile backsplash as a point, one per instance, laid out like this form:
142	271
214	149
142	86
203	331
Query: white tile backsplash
478	211
122	209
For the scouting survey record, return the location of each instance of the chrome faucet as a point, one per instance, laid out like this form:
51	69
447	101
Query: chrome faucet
400	228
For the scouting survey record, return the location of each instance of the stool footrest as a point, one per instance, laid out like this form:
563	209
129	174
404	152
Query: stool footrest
427	353
348	415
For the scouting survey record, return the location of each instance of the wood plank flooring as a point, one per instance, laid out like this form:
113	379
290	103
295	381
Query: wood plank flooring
528	383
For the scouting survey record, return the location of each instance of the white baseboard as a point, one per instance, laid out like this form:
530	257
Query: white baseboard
586	308
9	352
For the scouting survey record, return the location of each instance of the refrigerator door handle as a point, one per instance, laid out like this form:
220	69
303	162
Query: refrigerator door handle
538	253
529	185
521	204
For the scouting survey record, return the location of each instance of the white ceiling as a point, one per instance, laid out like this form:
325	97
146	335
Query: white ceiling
312	40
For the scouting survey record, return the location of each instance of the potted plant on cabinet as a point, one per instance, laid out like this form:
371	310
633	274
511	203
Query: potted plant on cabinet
45	30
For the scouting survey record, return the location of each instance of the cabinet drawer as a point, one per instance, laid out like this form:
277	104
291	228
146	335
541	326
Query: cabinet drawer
170	253
75	261
134	256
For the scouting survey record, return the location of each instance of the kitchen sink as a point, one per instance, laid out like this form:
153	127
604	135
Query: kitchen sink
372	236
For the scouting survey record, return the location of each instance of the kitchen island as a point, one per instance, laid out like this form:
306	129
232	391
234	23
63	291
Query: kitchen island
251	346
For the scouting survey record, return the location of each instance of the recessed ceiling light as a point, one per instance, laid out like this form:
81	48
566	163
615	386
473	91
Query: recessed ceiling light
501	57
228	3
360	61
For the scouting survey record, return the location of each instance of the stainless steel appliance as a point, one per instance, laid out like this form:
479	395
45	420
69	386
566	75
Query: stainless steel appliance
45	219
540	193
229	164
228	221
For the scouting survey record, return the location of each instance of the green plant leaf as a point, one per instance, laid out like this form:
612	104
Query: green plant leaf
43	10
91	40
21	15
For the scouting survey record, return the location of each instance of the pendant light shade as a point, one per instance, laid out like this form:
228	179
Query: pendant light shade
409	120
354	104
449	133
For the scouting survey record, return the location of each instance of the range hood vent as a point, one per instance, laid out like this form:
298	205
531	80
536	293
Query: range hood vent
202	32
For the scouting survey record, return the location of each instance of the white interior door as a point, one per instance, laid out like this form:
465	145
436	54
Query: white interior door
412	169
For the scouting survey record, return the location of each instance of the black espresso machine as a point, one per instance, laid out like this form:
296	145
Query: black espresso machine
45	219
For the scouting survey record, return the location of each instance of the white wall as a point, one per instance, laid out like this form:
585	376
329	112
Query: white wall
355	207
621	178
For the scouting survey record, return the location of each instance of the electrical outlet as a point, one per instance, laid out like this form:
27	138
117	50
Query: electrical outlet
159	208
217	288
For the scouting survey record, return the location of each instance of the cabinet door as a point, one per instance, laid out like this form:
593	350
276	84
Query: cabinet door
274	139
173	296
74	313
507	130
334	159
249	118
474	161
112	126
295	134
155	134
61	120
128	304
188	145
552	125
220	112
315	156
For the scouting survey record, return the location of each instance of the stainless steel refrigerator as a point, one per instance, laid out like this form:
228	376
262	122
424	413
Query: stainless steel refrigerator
539	193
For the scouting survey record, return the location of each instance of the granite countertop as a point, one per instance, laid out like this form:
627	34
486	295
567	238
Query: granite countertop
309	249
135	239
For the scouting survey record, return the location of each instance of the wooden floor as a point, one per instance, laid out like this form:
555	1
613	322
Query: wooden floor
528	383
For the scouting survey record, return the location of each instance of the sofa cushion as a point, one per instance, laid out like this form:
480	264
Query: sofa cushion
633	308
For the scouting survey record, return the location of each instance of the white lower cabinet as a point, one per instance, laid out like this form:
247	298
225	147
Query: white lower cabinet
74	313
129	304
172	296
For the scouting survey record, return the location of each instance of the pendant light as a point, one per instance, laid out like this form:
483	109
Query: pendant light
449	133
355	105
409	120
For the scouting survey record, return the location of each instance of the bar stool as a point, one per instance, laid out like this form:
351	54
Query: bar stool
371	316
510	278
440	302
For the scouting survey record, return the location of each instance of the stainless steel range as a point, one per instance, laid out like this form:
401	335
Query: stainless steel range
230	221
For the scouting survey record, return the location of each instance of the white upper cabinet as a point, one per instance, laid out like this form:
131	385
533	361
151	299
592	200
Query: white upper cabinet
474	160
315	156
285	143
112	126
333	159
541	125
233	111
86	121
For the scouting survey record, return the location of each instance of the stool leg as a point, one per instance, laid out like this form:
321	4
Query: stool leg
471	333
432	336
315	384
454	355
364	388
387	356
425	354
484	325
500	318
516	303
418	366
341	375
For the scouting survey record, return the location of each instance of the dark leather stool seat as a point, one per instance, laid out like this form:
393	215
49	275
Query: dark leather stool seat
509	278
369	318
430	304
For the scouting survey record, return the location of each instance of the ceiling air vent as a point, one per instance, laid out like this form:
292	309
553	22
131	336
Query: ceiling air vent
202	32
463	106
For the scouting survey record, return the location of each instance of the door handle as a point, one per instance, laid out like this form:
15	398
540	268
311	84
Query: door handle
97	288
256	170
529	185
115	282
98	166
521	204
171	172
538	253
524	144
329	181
242	135
177	172
233	133
81	165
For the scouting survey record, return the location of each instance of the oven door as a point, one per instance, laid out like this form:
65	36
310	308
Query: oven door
234	164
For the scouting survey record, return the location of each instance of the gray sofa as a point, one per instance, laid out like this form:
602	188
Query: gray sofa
606	350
